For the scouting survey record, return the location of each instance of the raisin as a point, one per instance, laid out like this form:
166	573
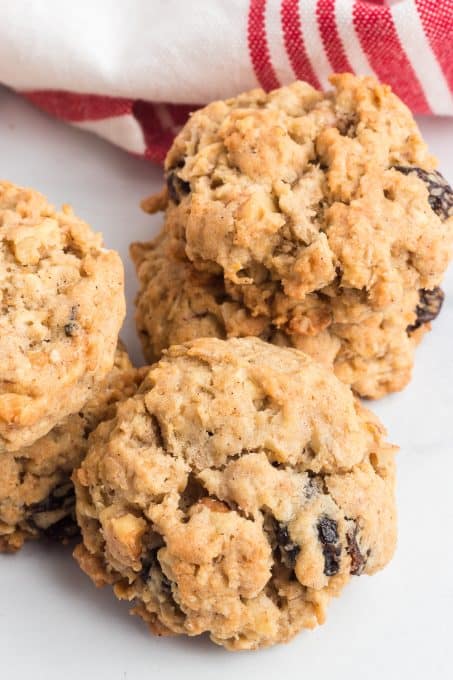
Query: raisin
149	561
61	496
54	516
65	529
327	530
440	193
288	549
328	536
177	187
358	561
428	308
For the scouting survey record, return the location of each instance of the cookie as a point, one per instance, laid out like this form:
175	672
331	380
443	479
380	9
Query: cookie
323	213
236	493
177	303
62	307
36	492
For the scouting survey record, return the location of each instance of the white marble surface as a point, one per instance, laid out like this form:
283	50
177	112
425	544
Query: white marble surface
397	624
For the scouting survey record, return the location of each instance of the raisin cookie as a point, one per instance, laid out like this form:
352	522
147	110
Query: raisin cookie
62	307
36	492
236	493
323	213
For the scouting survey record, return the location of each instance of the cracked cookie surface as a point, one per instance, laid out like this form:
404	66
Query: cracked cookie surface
62	305
36	492
177	303
323	213
236	493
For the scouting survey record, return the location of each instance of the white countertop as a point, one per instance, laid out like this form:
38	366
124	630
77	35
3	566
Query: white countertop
55	625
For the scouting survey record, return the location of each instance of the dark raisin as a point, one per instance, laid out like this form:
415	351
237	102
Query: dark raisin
331	559
61	496
440	193
71	328
149	561
177	187
63	530
328	536
288	549
54	516
327	530
428	308
358	561
180	164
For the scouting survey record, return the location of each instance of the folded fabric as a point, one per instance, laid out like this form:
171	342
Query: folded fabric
132	70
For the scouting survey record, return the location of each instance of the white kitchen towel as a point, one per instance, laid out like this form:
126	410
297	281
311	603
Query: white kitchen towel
132	70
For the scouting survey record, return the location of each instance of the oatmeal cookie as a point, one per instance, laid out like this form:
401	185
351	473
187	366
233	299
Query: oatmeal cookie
36	492
177	303
236	493
62	307
322	212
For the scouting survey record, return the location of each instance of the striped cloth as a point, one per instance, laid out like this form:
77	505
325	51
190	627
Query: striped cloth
132	71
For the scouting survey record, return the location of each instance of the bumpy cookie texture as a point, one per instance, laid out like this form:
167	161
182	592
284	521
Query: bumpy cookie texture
36	492
236	493
177	303
62	305
323	212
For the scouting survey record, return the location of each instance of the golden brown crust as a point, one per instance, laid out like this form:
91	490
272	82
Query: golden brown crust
236	493
63	305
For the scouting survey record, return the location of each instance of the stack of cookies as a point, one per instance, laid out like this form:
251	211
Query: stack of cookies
311	220
61	371
238	484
